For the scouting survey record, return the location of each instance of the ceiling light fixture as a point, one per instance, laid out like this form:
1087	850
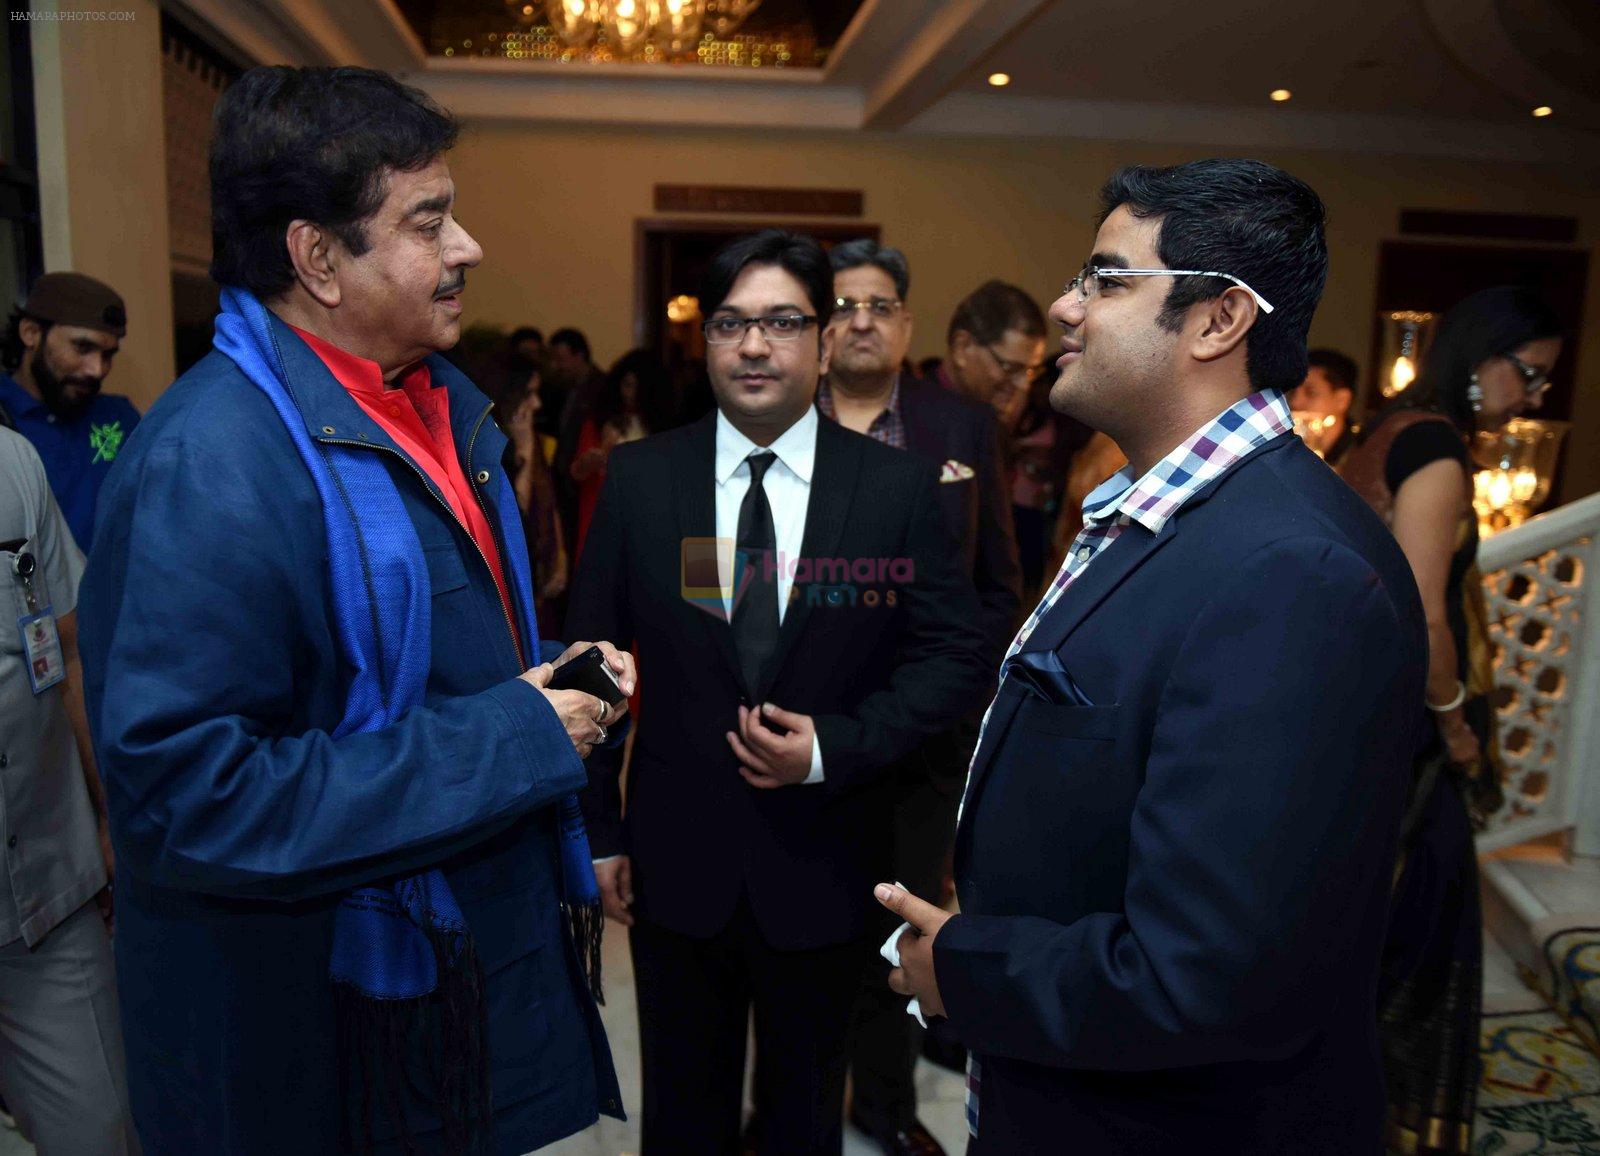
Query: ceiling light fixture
999	79
632	26
1543	110
1280	94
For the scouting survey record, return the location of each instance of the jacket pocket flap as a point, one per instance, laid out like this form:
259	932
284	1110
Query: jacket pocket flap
446	571
1069	721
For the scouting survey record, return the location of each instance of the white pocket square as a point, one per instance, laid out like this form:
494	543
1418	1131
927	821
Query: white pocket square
954	471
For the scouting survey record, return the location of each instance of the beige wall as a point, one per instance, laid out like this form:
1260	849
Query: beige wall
555	210
102	172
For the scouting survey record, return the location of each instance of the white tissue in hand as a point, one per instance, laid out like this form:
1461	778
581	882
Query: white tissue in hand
891	951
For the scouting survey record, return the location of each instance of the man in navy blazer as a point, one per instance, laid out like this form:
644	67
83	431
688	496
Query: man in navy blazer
1179	827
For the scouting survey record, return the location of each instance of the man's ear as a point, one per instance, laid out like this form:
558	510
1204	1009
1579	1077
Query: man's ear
962	344
1222	324
826	350
315	266
31	333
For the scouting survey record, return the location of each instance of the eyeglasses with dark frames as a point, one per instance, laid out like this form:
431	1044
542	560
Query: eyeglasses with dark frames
1534	380
1093	278
774	327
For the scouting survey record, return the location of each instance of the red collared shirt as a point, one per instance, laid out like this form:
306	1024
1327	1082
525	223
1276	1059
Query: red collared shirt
417	416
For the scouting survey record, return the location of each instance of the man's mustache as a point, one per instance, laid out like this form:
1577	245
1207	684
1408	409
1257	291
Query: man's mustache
451	288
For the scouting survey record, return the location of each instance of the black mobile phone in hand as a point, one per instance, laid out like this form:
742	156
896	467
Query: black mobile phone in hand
590	673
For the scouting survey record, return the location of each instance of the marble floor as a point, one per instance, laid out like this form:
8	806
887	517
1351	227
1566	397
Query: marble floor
1503	990
1559	882
941	1092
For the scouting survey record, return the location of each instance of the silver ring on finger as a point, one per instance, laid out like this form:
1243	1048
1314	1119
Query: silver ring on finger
603	735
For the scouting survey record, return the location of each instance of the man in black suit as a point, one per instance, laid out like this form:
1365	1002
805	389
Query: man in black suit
865	391
795	589
1176	845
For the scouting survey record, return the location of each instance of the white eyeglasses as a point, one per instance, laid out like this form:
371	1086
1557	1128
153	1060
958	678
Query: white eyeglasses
1090	281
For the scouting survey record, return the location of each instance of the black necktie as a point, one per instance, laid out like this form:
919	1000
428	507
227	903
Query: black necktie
755	611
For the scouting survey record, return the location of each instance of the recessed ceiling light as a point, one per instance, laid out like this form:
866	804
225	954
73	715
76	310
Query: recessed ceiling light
999	79
1543	110
1280	94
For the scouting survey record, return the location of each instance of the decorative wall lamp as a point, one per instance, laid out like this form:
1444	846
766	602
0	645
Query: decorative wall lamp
1406	334
1518	463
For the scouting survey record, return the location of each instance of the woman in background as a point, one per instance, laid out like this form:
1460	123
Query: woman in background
1041	445
1095	461
512	382
1489	363
634	403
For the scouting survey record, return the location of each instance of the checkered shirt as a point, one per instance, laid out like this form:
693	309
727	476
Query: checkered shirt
888	427
1119	501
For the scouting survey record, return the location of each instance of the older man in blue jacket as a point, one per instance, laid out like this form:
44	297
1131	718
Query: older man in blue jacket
341	802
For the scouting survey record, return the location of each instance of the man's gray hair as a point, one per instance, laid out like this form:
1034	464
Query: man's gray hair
866	251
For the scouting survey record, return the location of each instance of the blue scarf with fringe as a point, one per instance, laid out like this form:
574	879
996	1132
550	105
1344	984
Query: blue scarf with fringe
401	947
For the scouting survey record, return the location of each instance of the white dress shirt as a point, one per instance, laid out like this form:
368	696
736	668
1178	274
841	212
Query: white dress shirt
788	487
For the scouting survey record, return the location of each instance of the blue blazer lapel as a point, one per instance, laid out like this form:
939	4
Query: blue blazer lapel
1133	548
1007	699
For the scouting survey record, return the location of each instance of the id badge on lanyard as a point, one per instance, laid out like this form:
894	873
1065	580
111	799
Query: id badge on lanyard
41	640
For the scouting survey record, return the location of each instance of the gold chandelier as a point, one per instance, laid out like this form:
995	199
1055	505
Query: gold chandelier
630	26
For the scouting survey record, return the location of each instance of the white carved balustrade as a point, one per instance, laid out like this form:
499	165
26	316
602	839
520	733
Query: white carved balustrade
1540	580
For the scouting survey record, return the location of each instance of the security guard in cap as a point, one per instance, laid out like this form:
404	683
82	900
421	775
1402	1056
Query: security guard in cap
58	349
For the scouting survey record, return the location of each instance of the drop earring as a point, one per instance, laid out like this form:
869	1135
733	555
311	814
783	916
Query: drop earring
1474	394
